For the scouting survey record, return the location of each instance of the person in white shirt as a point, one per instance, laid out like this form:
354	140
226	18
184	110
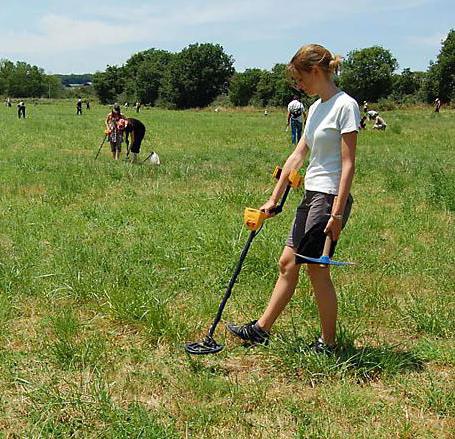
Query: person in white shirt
296	110
372	114
330	138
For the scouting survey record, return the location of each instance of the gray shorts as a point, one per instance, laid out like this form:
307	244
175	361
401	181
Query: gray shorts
307	235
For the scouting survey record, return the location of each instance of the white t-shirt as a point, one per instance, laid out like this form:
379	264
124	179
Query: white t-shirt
296	106
326	122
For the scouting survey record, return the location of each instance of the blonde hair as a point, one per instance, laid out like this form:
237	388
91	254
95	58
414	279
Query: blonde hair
314	55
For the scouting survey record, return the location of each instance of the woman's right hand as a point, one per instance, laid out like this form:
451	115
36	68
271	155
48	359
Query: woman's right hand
268	207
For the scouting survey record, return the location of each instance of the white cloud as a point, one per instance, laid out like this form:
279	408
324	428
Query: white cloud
110	25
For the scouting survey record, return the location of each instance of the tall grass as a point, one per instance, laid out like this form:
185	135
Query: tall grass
108	268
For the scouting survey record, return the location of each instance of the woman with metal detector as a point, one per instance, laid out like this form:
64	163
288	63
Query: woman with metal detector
330	136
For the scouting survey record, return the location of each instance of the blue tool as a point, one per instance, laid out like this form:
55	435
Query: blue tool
325	260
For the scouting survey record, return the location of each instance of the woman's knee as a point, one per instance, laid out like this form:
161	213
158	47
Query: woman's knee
287	264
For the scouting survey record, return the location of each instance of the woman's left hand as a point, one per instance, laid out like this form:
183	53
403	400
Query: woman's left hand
333	228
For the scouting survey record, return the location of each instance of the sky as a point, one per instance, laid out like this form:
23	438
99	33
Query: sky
83	37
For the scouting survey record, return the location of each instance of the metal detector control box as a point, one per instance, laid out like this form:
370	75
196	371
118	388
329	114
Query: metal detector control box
254	218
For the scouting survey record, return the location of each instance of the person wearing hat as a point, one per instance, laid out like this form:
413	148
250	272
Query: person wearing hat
115	125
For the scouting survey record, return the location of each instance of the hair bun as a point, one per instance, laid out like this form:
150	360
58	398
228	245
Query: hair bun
335	63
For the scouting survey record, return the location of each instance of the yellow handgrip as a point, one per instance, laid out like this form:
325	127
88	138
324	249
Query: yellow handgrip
295	179
254	218
277	172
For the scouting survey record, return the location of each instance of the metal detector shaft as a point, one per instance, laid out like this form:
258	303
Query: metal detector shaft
99	149
279	208
227	294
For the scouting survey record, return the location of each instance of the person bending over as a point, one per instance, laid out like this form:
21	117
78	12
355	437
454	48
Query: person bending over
379	123
136	129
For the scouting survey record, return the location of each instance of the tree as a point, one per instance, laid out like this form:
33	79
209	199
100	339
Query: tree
196	76
243	86
440	80
22	79
148	74
408	83
283	92
367	74
109	84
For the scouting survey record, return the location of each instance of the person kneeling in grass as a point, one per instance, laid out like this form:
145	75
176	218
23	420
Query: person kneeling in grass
379	123
330	136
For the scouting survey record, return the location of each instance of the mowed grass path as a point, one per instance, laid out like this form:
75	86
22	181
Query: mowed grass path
106	269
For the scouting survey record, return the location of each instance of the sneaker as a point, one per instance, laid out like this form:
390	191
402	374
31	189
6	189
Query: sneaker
320	347
250	332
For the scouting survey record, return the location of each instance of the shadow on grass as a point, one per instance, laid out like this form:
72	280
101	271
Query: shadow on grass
365	363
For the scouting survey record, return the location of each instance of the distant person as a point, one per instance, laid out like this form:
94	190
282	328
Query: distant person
21	109
365	106
87	104
8	102
115	125
266	113
79	106
126	105
138	107
363	123
372	114
437	105
295	118
136	129
379	123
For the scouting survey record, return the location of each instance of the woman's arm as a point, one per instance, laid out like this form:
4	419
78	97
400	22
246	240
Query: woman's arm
348	146
294	161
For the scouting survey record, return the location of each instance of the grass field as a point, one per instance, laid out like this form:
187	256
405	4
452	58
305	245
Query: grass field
107	269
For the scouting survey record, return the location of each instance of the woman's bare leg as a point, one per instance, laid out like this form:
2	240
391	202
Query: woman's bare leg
283	291
326	299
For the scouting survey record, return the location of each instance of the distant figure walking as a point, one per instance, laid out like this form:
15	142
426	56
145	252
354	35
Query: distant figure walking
21	109
295	118
115	124
363	123
379	123
79	106
437	105
87	104
136	129
138	107
8	102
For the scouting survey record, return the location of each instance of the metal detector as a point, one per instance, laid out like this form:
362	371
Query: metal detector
253	219
99	149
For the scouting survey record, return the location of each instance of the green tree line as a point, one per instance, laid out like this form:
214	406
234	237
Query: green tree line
200	73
